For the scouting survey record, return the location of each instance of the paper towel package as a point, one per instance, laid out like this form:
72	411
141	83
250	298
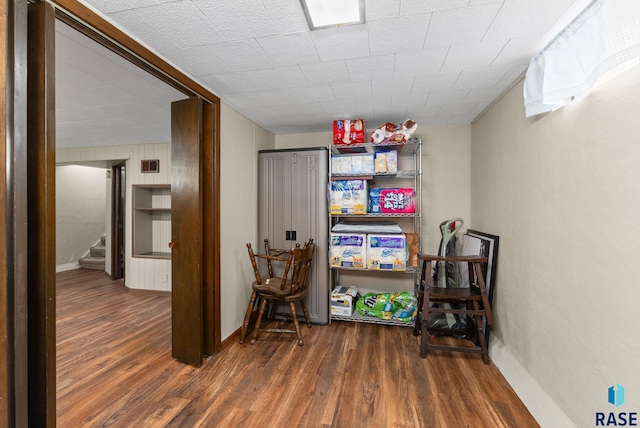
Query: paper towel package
346	132
348	197
348	250
387	252
392	200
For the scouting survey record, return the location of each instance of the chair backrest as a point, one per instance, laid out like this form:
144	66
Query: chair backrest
277	255
302	261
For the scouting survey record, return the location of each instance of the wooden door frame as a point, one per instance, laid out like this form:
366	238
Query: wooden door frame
118	183
14	394
39	386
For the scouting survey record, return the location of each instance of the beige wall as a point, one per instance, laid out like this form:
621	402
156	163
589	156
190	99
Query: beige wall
561	190
240	141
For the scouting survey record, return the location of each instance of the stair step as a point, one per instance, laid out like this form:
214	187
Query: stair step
94	263
97	251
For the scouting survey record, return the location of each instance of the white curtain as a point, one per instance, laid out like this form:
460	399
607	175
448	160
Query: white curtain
604	35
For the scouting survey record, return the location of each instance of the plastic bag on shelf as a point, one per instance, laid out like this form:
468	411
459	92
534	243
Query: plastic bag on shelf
401	306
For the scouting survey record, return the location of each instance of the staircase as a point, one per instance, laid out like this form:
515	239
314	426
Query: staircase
94	259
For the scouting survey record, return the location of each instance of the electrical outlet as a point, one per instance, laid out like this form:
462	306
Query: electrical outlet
165	277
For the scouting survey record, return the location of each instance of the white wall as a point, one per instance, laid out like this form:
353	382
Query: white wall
80	206
561	190
240	141
141	273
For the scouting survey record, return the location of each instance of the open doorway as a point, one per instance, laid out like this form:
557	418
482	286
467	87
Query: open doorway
41	163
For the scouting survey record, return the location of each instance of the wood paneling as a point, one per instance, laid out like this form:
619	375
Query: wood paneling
41	214
115	369
186	231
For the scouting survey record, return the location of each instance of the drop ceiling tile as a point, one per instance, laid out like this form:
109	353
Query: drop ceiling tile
420	62
477	95
242	55
283	77
315	93
287	16
133	23
182	22
381	9
341	43
382	116
288	49
109	6
461	26
415	113
242	81
344	108
483	77
197	60
382	102
403	34
215	85
412	7
326	72
308	108
396	86
344	90
237	19
434	81
525	18
372	67
452	96
414	100
475	55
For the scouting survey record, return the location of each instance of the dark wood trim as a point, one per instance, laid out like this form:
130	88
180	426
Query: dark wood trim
208	250
216	228
86	21
41	215
13	227
117	221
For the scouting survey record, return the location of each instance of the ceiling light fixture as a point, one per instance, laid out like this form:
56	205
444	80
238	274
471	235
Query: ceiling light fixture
333	13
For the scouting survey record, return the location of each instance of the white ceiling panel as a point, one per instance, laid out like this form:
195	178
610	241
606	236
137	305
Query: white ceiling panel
402	34
439	61
238	19
461	26
289	49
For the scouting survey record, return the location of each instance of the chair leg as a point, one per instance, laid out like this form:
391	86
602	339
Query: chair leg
306	313
247	317
263	305
481	338
417	324
295	322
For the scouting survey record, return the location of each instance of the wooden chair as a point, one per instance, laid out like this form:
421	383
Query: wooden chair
270	255
287	288
472	302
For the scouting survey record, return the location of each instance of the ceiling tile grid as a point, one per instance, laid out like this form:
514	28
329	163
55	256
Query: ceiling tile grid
435	61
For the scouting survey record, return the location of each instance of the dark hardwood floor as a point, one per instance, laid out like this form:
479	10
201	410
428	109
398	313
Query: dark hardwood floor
115	369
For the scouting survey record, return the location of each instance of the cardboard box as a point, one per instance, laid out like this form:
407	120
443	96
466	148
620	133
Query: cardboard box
343	300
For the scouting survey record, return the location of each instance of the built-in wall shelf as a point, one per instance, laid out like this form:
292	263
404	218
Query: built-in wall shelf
151	220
